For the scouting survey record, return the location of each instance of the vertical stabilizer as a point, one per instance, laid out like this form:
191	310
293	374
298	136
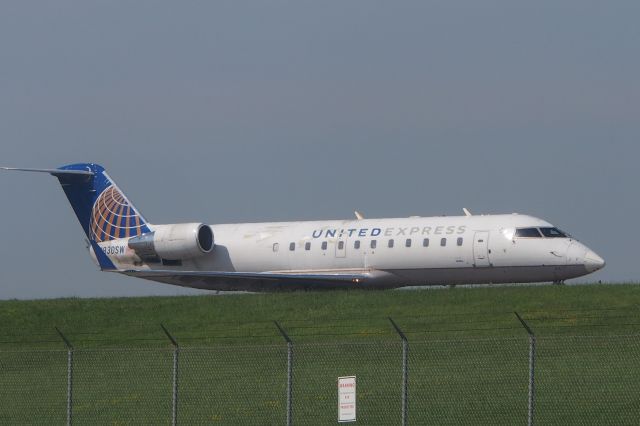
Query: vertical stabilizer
103	210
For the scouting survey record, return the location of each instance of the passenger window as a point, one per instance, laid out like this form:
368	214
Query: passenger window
443	242
528	233
460	240
408	242
340	245
425	242
356	244
374	244
276	247
307	246
390	244
324	245
292	246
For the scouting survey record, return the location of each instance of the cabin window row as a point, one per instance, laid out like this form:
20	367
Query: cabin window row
357	244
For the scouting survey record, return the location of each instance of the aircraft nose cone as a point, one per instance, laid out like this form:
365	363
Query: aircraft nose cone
593	262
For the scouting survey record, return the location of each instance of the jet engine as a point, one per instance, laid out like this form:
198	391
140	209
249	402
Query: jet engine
174	242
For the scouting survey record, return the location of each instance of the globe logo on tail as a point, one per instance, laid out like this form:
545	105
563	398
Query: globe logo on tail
114	217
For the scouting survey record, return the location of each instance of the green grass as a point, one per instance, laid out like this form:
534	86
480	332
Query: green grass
314	316
468	356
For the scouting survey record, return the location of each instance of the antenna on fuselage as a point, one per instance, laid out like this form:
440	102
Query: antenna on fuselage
466	212
358	215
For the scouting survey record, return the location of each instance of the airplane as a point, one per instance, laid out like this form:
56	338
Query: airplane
330	254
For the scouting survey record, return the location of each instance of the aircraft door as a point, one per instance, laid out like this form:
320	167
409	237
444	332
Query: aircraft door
481	249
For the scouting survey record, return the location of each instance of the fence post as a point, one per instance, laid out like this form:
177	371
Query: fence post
176	351
405	371
289	373
532	368
69	376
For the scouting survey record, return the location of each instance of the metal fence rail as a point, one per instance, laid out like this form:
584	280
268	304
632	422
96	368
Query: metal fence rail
567	379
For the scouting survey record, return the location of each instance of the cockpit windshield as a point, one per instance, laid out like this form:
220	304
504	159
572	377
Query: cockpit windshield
553	233
528	233
547	232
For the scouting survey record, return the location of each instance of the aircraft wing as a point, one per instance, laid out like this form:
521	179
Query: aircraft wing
252	281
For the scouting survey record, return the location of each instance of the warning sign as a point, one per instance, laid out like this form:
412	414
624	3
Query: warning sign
347	399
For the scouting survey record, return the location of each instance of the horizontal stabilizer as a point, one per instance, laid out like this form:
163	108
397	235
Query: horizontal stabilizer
54	172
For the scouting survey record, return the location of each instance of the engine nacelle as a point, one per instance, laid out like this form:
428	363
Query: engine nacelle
174	242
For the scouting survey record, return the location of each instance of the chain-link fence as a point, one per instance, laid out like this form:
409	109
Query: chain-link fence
495	380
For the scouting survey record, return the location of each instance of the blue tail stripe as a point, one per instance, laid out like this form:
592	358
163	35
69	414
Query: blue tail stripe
105	263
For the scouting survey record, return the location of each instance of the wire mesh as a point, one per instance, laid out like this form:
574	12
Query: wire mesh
122	386
233	384
453	382
33	387
588	380
378	370
580	380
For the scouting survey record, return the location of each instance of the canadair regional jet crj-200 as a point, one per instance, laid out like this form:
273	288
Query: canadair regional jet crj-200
359	253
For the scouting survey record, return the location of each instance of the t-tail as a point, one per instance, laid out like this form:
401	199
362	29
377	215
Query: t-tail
120	238
102	209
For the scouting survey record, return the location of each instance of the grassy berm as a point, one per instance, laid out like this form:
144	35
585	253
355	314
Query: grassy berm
468	357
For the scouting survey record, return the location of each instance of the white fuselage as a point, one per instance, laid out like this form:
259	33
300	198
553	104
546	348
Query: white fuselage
392	252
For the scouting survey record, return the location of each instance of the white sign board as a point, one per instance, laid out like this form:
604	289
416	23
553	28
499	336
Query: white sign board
347	399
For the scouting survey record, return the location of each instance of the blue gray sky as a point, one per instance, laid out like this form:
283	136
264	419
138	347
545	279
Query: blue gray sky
234	111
